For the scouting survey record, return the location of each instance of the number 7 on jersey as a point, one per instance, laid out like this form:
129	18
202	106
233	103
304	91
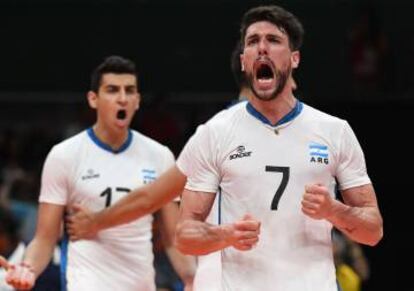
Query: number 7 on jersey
285	178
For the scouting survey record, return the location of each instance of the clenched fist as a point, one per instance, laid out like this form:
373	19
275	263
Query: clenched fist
317	202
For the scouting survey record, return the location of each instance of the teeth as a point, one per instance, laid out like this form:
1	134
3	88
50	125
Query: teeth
264	81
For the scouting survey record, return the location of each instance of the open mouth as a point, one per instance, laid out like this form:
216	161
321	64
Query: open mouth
264	72
121	114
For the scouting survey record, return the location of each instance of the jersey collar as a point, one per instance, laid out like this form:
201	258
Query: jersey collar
288	117
105	146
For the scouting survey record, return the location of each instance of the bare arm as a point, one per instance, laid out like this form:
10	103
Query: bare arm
184	265
359	218
48	230
40	249
140	202
196	237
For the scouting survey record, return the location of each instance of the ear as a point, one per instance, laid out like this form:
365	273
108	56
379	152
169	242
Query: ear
242	62
92	99
295	59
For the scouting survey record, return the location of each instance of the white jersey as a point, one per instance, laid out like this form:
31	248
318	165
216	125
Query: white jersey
208	272
262	170
83	170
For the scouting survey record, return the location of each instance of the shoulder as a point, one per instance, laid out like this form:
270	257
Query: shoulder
67	148
314	116
311	112
225	119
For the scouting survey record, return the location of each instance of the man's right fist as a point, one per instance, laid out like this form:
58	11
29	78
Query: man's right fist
246	233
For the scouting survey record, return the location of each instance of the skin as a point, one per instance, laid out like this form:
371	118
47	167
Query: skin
265	43
359	218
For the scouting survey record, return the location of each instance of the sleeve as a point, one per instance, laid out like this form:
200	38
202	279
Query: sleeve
168	162
54	186
351	170
197	162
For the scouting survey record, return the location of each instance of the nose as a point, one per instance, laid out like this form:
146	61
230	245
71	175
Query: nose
263	47
122	97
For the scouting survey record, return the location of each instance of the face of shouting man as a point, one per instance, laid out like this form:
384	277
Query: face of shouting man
267	59
116	101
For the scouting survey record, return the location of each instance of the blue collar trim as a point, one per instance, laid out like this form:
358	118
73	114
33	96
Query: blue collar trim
105	146
288	117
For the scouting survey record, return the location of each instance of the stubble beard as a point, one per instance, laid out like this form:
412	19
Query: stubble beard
281	76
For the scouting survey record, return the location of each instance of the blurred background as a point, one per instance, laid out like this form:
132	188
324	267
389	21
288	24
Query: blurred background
357	63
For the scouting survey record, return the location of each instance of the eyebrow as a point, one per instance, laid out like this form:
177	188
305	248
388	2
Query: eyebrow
255	35
119	86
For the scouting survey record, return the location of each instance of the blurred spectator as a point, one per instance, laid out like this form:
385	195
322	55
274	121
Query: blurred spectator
23	204
352	267
12	248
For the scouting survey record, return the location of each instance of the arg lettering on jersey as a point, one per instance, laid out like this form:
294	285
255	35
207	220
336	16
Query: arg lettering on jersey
318	153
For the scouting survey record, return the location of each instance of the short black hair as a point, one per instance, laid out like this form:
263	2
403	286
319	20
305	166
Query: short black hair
115	65
280	17
235	65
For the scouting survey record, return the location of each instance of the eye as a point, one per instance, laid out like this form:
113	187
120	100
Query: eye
111	89
131	90
273	39
252	41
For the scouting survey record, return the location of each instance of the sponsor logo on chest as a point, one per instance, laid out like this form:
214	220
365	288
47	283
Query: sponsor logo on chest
239	153
90	174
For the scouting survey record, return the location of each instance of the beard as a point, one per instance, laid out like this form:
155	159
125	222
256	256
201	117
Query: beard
281	76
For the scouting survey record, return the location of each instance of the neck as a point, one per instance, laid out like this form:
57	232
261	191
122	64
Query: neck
113	138
245	93
274	110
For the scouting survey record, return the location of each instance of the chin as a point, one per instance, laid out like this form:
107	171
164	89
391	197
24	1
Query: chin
267	95
122	126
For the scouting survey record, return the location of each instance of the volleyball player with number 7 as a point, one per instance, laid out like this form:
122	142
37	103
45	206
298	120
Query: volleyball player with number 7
277	159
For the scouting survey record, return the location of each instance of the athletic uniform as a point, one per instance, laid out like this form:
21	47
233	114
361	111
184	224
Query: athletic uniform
86	171
208	272
262	169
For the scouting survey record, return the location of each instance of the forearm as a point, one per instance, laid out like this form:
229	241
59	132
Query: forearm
129	208
200	238
361	224
38	254
143	201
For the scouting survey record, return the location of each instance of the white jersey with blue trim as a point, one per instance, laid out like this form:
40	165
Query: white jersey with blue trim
262	169
85	171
